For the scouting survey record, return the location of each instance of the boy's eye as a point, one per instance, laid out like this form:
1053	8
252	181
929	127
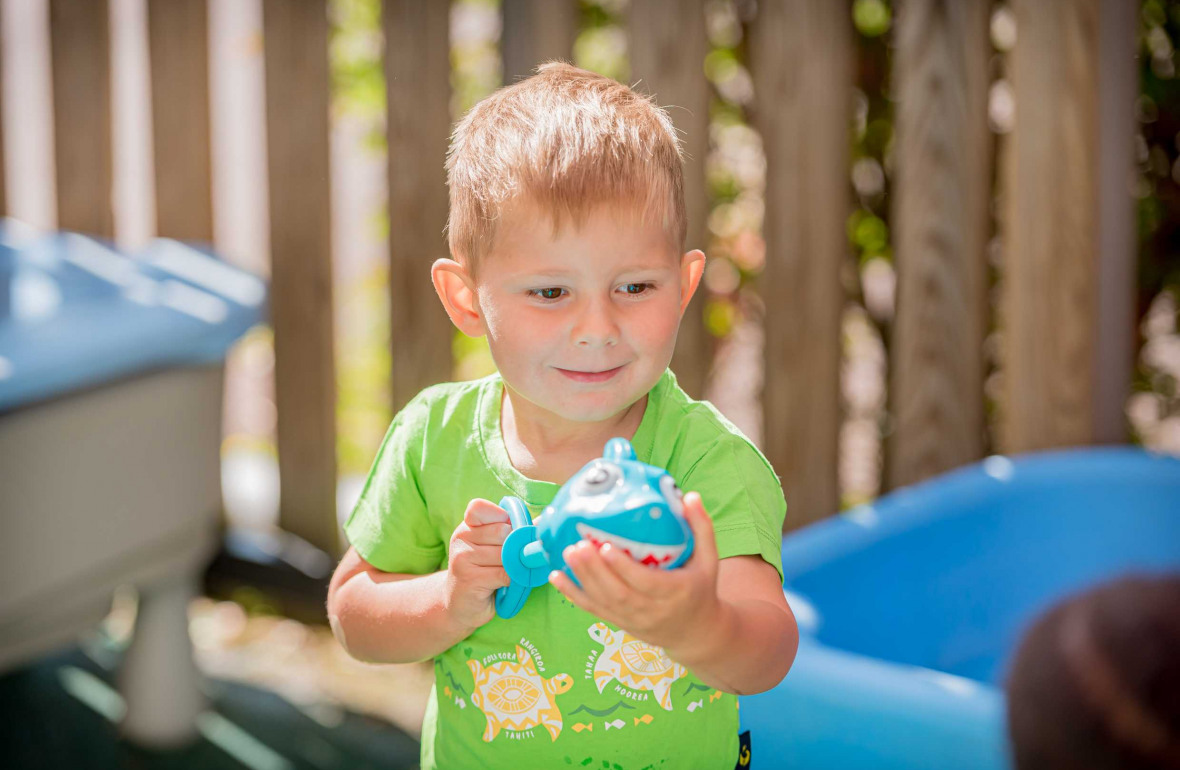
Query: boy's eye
636	288
548	293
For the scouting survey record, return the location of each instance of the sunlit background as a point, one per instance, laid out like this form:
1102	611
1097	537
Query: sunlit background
244	637
736	175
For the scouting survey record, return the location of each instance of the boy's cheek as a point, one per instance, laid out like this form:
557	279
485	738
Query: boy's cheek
661	325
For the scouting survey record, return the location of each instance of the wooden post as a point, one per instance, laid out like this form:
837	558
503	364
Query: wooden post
3	152
295	36
668	44
1050	270
1114	348
79	40
417	76
801	61
535	31
940	217
178	38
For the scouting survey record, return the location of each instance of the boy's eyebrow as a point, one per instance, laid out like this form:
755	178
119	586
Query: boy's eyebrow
546	273
542	275
654	265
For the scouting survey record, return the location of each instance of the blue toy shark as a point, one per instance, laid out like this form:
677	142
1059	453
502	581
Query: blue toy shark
634	506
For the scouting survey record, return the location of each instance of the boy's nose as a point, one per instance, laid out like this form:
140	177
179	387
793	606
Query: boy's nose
596	327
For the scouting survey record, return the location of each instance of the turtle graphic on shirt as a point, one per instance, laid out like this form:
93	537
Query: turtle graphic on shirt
513	696
634	664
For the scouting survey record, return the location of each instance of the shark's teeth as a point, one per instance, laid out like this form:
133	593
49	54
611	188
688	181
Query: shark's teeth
644	553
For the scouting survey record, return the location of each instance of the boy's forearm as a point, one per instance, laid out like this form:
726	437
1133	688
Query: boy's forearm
396	621
746	648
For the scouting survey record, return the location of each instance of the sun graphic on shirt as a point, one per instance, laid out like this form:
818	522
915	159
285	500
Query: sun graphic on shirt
514	696
643	659
634	663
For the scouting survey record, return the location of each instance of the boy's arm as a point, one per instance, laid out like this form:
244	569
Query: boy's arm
384	617
750	643
726	620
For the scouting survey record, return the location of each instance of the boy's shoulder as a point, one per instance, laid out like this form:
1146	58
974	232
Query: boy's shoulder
439	415
690	431
451	391
446	398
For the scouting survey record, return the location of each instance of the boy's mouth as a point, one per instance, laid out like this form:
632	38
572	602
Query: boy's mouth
602	376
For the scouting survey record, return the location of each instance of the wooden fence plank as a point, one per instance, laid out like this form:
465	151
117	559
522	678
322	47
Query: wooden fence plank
178	39
3	152
80	50
668	44
1114	348
801	62
1049	287
417	73
536	31
940	217
295	36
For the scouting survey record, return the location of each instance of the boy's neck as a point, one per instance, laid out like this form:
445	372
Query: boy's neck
546	447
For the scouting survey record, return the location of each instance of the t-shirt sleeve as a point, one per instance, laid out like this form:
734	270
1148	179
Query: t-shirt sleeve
390	527
743	497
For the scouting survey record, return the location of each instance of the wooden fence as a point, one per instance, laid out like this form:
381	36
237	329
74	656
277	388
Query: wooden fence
1068	332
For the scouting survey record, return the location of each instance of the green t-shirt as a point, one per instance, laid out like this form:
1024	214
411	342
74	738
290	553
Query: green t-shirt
554	686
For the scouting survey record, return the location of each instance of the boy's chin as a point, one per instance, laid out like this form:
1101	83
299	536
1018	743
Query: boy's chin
570	402
598	408
592	415
587	408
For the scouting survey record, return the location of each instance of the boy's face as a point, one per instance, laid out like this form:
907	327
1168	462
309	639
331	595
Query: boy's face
582	322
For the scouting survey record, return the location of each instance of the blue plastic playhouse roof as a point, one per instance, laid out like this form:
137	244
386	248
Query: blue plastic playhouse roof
75	312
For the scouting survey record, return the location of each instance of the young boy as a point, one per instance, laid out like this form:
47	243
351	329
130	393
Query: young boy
567	228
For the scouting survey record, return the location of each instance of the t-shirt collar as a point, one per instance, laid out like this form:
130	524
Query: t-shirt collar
538	494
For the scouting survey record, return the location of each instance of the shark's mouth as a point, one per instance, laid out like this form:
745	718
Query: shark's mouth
644	553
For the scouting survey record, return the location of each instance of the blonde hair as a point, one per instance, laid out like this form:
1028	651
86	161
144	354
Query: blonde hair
566	140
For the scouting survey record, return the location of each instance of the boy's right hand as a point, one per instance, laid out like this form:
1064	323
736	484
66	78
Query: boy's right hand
475	568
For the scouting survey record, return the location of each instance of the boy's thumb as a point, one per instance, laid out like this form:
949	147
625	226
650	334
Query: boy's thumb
699	522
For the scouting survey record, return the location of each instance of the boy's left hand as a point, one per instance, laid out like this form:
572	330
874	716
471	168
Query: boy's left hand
661	607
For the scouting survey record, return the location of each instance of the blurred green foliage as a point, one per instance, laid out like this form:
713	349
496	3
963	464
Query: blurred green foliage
1157	113
871	17
363	406
358	82
1157	155
601	44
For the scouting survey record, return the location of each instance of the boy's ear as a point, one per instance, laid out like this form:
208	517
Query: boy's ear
456	290
692	267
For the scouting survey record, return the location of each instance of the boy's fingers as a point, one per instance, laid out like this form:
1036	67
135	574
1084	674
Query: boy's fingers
704	540
638	577
492	582
480	512
480	567
596	576
488	534
487	556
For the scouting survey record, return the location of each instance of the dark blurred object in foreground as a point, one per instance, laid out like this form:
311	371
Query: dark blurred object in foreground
61	712
1096	682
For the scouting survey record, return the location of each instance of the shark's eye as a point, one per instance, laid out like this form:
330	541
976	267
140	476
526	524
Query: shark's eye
598	478
672	494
